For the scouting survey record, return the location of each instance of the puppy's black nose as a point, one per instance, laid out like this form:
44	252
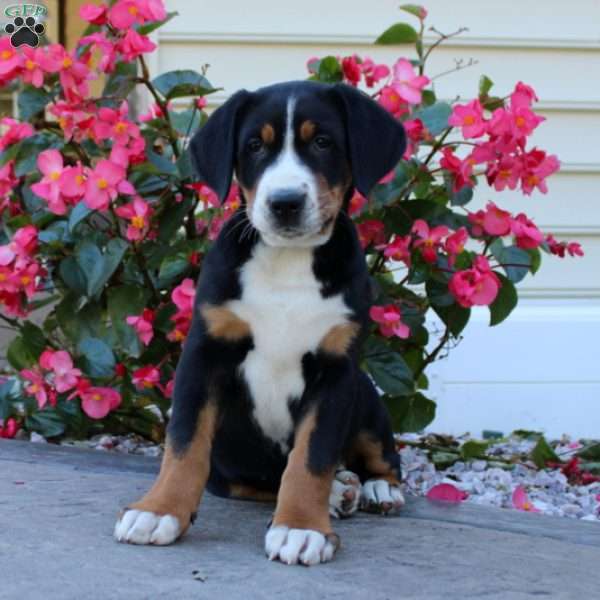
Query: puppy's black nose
286	206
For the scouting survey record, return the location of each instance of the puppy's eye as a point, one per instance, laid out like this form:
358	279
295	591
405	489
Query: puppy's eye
255	145
323	142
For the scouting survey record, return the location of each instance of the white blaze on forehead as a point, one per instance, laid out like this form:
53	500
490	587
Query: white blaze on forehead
287	172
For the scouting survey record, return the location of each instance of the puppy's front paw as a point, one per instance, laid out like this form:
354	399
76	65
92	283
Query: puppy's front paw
144	527
304	546
380	496
345	494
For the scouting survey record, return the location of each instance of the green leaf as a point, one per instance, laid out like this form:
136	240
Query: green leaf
543	453
34	339
515	261
536	259
99	358
328	70
485	85
443	460
185	122
590	452
455	317
47	422
413	9
388	369
56	234
78	214
474	449
438	294
96	266
173	266
78	318
32	101
19	354
30	148
71	273
176	84
399	33
8	397
152	26
124	301
410	413
505	301
172	219
435	117
122	80
185	167
462	197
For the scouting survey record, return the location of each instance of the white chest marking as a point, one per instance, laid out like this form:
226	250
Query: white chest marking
281	301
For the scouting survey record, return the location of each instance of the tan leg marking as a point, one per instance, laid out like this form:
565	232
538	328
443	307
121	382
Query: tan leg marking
247	492
339	338
303	499
267	133
371	452
225	324
307	130
182	478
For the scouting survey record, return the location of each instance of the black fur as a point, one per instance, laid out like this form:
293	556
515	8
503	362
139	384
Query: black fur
366	144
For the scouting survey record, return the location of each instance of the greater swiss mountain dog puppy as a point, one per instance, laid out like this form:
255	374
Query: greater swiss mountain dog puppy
269	398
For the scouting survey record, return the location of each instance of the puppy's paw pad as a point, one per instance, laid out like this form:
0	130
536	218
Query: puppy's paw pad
143	527
380	496
304	546
345	494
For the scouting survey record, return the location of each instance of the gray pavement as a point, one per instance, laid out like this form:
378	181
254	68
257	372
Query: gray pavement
57	510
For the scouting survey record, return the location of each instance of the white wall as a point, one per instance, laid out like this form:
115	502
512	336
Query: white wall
541	369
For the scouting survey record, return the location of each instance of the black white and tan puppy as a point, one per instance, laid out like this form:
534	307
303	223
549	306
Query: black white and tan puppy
269	397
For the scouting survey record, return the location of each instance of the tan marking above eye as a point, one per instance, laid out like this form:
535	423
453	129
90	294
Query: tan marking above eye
307	131
267	133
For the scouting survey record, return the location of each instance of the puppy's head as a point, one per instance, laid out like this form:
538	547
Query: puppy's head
297	149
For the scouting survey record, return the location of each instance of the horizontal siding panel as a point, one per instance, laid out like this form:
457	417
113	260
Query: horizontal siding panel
555	23
251	65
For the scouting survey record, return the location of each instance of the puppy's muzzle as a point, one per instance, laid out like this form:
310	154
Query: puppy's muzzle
287	207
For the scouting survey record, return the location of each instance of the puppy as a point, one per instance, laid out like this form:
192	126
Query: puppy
269	397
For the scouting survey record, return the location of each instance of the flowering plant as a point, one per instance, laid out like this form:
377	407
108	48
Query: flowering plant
105	225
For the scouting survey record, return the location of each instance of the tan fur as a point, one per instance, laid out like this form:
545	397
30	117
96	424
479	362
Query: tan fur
247	492
224	324
267	133
182	477
331	199
303	499
339	338
307	131
371	452
249	195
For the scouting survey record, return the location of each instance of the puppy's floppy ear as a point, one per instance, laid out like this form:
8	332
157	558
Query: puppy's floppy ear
213	148
376	140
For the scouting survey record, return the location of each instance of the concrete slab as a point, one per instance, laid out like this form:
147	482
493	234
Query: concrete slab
57	509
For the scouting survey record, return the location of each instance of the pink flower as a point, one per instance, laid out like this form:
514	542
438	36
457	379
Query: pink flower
72	182
94	14
477	286
125	13
470	118
138	212
391	100
372	72
115	125
60	363
103	184
446	492
33	71
428	240
399	249
415	132
407	83
9	428
523	95
351	70
504	173
133	45
50	163
146	378
143	325
496	221
371	232
537	166
37	386
170	388
105	48
24	243
10	60
455	244
521	501
526	233
462	170
560	248
97	402
356	204
389	319
183	295
13	132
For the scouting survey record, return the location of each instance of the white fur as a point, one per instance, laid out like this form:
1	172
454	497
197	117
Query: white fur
293	546
282	302
345	494
288	173
143	527
378	495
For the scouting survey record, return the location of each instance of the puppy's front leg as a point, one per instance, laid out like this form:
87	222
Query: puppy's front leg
166	511
301	528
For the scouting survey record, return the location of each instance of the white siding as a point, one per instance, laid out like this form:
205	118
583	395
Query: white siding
541	368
